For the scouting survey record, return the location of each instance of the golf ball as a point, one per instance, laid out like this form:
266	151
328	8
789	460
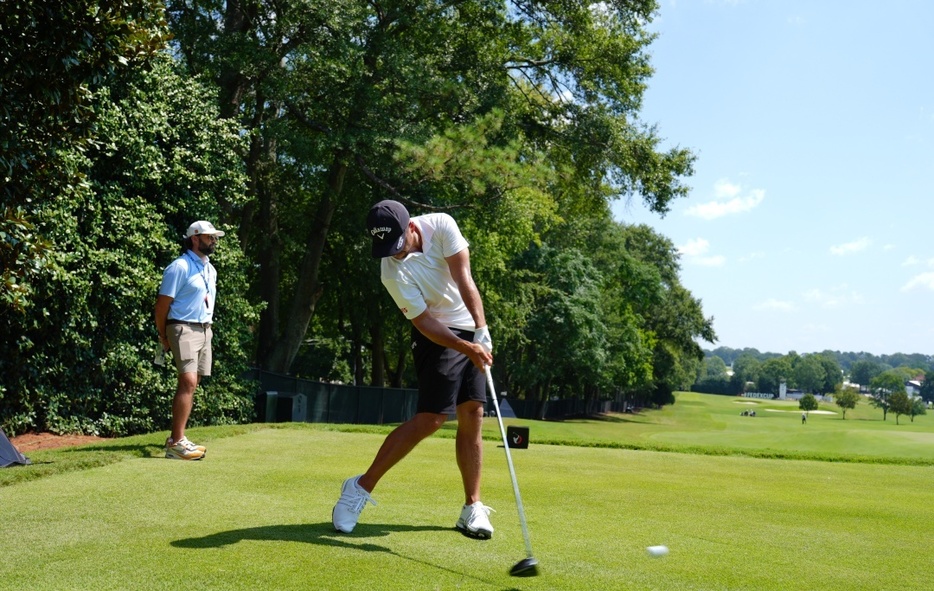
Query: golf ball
657	551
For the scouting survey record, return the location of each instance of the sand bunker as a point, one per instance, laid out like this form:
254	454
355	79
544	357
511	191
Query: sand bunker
810	412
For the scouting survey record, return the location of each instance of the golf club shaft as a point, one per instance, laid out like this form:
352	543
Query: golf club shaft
512	471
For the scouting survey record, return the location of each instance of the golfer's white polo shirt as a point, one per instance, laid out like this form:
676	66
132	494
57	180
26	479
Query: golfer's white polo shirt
422	280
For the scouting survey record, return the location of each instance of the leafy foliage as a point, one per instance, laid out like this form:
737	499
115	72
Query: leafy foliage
900	404
883	386
808	402
55	56
282	122
82	362
846	398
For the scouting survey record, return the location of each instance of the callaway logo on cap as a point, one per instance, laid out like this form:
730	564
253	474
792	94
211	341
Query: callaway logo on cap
387	222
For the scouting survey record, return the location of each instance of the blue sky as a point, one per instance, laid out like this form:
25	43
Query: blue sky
809	221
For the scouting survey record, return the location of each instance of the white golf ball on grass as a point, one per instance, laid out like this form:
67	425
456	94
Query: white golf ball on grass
657	551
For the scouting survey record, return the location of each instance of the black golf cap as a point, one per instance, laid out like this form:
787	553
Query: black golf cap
386	223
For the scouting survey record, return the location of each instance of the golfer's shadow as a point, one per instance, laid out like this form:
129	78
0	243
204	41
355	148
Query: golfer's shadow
322	534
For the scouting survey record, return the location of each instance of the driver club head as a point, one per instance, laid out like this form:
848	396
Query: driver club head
527	567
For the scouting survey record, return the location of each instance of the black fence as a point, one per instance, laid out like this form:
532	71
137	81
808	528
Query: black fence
283	398
286	398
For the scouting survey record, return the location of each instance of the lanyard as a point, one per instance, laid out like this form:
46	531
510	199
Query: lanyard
204	277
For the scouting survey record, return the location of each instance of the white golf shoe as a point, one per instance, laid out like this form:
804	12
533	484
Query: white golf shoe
475	521
347	510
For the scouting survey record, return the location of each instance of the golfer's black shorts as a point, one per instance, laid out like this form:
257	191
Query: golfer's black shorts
446	378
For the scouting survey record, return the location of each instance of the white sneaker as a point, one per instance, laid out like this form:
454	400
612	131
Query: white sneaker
182	451
347	510
186	442
475	521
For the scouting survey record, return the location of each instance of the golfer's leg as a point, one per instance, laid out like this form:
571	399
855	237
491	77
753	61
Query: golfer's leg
398	444
470	448
182	403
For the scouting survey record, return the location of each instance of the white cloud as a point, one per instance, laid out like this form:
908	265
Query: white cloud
924	280
835	298
695	247
752	256
773	304
910	261
723	188
733	204
694	252
851	247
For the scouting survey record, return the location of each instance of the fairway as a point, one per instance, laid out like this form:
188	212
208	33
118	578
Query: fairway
246	518
711	424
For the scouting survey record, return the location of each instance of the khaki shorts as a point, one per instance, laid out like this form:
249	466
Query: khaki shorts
191	348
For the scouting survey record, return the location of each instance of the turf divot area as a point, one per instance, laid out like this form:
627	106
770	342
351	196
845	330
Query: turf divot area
255	514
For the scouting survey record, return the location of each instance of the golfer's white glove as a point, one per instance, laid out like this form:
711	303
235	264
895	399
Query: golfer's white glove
481	336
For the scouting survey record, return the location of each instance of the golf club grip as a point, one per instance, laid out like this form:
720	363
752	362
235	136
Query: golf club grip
512	471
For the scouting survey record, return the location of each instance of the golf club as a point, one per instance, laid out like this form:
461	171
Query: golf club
527	567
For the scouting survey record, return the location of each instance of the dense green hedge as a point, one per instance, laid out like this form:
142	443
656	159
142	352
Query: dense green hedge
79	359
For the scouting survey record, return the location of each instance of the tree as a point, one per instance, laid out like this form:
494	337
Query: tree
565	346
746	370
715	367
809	374
672	317
846	398
862	372
773	372
347	102
833	376
808	402
927	387
918	407
883	386
52	66
900	404
80	359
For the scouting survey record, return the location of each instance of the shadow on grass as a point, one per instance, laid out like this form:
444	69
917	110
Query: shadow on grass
607	418
141	450
323	534
312	533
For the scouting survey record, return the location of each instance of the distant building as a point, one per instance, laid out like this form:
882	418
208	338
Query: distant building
794	394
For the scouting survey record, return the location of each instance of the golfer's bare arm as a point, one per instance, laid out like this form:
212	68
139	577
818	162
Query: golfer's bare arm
459	264
163	302
438	333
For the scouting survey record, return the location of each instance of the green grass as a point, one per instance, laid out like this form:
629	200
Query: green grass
713	425
115	516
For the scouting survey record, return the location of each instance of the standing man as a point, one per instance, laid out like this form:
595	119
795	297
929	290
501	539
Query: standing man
184	311
426	268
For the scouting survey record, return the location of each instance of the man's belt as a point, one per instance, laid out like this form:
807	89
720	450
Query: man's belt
186	323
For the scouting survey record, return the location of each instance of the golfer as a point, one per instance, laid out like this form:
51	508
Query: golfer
426	268
184	312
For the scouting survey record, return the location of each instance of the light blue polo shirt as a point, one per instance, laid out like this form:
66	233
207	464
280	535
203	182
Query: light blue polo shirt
192	285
